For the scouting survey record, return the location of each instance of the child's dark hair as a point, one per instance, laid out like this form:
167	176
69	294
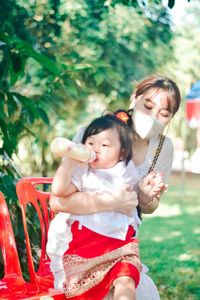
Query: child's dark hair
122	121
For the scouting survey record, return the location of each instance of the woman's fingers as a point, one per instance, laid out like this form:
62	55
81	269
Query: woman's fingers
159	193
126	200
152	185
127	188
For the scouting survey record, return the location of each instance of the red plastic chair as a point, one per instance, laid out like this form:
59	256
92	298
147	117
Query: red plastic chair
27	193
12	285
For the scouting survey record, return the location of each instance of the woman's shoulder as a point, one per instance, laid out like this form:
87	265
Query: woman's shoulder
167	144
165	158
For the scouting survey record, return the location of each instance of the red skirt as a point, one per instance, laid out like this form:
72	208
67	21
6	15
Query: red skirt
93	261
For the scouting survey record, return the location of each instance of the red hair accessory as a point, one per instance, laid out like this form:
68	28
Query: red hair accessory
123	116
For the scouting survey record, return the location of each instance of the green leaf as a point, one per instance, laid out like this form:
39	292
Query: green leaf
3	127
99	77
99	64
16	62
71	88
112	75
29	116
4	38
171	3
25	48
13	77
2	102
26	102
8	183
82	66
43	115
29	107
9	141
17	65
11	104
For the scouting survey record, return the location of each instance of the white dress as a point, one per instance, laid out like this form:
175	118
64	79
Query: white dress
111	224
146	290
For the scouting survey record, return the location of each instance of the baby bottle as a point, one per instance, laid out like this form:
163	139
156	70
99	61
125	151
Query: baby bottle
61	146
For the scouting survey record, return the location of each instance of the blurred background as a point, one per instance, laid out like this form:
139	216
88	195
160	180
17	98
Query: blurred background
63	62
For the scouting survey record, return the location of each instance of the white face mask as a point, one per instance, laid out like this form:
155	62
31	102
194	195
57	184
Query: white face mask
146	126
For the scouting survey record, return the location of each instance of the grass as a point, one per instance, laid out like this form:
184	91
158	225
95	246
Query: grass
170	240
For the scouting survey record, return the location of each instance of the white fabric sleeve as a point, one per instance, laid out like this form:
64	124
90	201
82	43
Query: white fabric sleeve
79	135
77	176
131	175
165	159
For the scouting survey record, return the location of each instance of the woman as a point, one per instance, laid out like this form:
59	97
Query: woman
154	103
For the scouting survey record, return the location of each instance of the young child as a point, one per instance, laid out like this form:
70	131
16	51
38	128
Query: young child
102	252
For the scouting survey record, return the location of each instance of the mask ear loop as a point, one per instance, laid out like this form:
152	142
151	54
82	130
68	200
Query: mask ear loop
132	102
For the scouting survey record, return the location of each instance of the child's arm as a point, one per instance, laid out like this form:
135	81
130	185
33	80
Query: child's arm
61	185
150	190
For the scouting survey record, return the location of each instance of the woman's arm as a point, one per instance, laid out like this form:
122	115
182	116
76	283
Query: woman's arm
122	201
150	206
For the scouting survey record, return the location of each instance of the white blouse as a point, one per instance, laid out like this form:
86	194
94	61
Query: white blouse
112	224
165	158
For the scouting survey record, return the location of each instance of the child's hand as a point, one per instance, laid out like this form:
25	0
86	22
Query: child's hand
152	185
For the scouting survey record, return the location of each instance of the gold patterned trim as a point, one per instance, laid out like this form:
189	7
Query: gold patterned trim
82	274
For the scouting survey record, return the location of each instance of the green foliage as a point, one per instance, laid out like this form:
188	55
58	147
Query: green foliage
18	111
127	42
169	241
185	69
60	58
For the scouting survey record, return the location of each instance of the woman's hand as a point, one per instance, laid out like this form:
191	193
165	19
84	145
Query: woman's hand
152	185
124	200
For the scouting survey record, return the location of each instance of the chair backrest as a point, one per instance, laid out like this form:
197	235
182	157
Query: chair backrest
13	285
28	193
12	268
